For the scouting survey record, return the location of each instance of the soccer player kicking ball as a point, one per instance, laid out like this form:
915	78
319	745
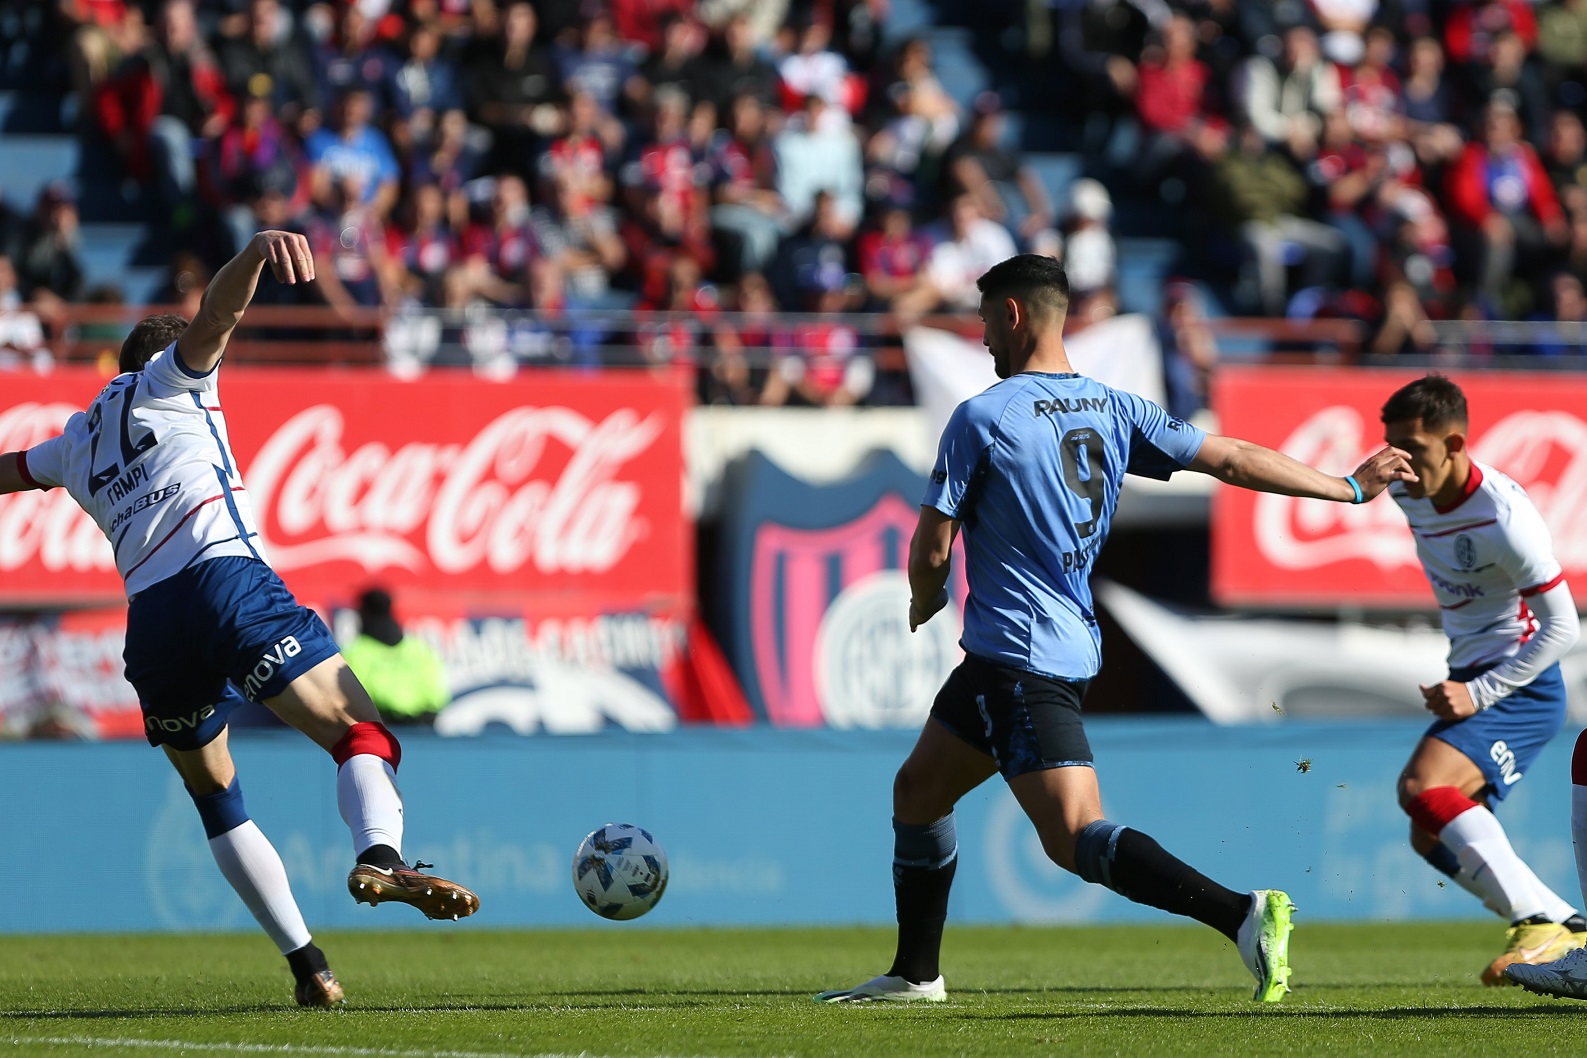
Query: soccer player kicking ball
151	463
1030	469
1509	616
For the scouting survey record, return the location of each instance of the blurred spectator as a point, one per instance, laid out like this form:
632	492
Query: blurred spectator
46	252
402	673
645	22
185	283
1472	25
762	18
740	371
163	99
677	62
21	333
814	259
1371	91
1263	200
253	159
892	259
1347	178
996	175
512	88
426	85
577	235
732	68
915	82
451	161
1565	159
600	64
1089	255
666	196
823	363
501	252
99	35
1562	34
1286	100
353	151
423	248
1567	305
694	303
1430	104
271	59
973	244
815	154
812	68
1504	204
356	58
349	245
1508	72
1190	352
1344	24
746	205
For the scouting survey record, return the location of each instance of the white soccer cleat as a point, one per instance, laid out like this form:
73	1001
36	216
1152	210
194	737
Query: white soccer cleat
1263	940
886	989
1565	977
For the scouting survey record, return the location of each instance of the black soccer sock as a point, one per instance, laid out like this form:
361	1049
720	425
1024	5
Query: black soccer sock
307	961
924	859
380	856
1139	869
1576	924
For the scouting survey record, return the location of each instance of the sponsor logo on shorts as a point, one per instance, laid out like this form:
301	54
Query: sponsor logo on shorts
270	664
189	722
1504	757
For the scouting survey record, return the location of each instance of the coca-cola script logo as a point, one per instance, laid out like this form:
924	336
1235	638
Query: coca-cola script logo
1544	451
47	527
493	502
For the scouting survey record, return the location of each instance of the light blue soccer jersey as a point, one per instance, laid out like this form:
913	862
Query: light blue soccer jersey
1031	468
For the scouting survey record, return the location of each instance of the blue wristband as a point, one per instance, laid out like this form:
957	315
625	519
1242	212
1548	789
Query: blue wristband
1356	487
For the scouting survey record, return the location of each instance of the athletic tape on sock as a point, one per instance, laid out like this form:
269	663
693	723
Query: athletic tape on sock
368	737
1434	809
221	811
1094	852
1442	860
931	846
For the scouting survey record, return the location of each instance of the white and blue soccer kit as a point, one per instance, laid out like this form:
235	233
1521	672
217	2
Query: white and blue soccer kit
151	463
1031	469
1485	556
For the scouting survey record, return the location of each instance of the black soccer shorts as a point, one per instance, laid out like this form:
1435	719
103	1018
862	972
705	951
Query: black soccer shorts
1024	721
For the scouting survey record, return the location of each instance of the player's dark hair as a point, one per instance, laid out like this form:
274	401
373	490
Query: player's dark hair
1030	276
1434	399
151	334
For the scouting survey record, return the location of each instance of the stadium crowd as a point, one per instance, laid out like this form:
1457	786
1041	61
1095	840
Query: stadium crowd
1390	160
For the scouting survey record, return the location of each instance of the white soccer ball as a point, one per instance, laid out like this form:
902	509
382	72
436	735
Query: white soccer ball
620	871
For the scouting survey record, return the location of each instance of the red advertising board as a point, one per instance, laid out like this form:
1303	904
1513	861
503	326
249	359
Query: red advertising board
1277	551
557	487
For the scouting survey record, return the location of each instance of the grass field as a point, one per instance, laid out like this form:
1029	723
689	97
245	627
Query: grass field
1360	990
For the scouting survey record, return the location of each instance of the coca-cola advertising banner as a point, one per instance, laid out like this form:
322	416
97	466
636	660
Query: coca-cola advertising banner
553	485
1284	552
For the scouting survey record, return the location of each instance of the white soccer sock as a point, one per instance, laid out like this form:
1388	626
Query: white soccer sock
1464	879
371	804
1554	905
1483	850
253	867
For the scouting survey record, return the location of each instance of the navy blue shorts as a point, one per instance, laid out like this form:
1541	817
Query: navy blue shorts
1023	721
200	642
1504	739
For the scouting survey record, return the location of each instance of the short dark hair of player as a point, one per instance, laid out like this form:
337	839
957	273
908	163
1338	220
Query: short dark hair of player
1031	277
1434	399
150	336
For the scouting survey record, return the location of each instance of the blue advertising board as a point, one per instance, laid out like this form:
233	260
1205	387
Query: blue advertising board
762	826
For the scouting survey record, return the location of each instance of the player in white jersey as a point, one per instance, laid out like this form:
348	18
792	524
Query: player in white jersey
1510	618
208	621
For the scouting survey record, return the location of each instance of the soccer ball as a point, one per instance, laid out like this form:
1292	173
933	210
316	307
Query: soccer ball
620	871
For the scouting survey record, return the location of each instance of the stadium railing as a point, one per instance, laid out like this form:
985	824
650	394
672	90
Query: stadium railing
296	335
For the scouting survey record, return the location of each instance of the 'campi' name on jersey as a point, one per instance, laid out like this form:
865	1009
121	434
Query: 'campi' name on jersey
1067	405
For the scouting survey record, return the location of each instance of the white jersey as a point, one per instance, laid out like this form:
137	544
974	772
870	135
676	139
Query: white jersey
150	461
1484	556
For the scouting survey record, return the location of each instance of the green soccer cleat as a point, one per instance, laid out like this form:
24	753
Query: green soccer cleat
1263	941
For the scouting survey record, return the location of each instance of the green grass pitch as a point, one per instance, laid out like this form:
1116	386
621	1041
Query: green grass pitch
634	993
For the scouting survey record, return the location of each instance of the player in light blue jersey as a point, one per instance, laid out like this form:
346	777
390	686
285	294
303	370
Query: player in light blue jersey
1030	471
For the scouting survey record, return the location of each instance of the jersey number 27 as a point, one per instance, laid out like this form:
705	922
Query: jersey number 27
130	449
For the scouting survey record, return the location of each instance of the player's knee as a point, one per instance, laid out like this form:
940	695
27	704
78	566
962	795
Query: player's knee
1421	841
1410	788
369	737
916	796
1059	845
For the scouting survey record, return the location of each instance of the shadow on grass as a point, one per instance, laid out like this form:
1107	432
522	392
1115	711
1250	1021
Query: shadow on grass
1380	1014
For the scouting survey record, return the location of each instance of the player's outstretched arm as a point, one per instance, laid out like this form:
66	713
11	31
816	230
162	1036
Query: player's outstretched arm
287	254
1251	466
930	558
